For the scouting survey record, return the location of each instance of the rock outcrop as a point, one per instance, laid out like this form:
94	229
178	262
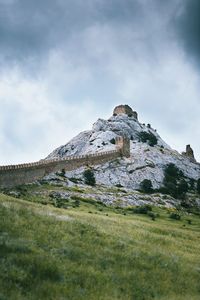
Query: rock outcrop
189	153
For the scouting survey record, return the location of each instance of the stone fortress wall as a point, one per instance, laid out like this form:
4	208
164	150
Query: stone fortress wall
13	175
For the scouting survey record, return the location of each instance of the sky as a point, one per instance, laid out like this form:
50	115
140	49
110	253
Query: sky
66	63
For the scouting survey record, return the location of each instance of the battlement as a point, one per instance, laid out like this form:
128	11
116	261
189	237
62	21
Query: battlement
47	162
13	175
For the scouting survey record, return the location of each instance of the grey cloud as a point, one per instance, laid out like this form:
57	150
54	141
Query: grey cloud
30	29
188	28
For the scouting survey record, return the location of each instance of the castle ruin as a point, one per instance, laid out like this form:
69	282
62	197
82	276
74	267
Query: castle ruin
189	153
125	109
123	145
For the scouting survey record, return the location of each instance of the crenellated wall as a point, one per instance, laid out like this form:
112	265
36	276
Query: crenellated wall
14	175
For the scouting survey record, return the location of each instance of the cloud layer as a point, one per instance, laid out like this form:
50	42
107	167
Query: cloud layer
66	63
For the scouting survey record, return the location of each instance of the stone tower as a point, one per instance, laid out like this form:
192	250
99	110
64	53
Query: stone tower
189	153
123	144
125	109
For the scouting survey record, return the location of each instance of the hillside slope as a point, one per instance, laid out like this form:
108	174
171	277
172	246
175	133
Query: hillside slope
91	251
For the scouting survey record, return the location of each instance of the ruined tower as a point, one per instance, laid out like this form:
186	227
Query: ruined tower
123	144
125	109
189	153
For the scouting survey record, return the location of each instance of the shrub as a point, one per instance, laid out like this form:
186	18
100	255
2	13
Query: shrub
89	177
146	186
112	141
175	216
198	186
172	171
152	215
76	203
148	137
119	185
74	180
144	209
174	182
62	173
192	184
170	188
182	187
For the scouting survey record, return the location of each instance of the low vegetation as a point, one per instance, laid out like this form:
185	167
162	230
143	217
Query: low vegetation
198	186
148	137
86	250
89	177
146	186
174	182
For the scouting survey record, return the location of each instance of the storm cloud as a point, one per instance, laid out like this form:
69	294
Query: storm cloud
188	29
66	63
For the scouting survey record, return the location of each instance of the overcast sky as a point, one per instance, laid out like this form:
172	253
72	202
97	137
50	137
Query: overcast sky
65	63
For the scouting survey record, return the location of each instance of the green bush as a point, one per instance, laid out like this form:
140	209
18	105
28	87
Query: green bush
112	141
146	186
144	209
148	137
89	177
74	180
62	173
172	171
119	185
175	216
182	187
192	184
170	188
198	186
152	215
174	183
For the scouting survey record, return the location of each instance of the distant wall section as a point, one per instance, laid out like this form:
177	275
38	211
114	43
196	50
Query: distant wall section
14	175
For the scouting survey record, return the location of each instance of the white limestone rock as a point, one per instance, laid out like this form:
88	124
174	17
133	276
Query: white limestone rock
145	162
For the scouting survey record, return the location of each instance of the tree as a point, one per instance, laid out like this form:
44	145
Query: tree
89	177
146	186
198	186
182	188
192	183
148	137
172	171
171	188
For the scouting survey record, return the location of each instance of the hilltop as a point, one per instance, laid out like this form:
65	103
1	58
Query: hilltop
149	154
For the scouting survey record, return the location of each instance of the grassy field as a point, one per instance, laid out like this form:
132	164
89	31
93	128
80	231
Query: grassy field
89	251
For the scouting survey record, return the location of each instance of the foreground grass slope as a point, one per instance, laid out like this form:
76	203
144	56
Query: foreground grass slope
95	252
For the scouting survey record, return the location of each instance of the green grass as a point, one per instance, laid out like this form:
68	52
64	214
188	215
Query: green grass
95	252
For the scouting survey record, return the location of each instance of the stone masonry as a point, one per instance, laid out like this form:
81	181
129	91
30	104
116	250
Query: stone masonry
123	144
14	175
125	109
189	153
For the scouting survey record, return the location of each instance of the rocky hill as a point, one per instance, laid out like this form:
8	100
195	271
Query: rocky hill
149	153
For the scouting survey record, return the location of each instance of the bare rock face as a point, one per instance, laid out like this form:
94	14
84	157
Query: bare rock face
189	153
125	109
